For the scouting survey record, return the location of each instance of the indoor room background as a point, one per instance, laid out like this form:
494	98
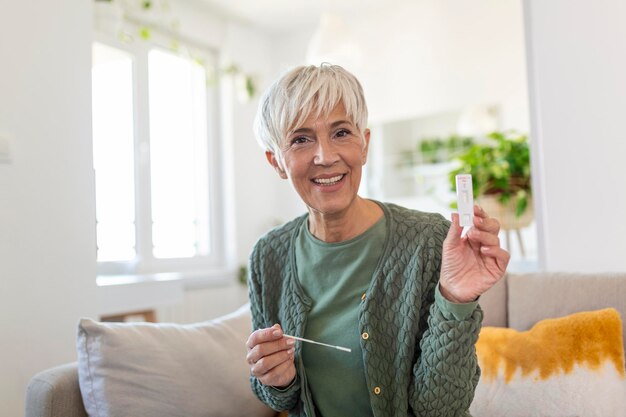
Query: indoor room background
551	70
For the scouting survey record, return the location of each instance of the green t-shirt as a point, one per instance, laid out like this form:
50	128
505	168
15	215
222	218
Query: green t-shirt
335	276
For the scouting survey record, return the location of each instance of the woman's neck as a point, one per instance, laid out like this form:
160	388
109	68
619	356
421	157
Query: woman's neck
345	225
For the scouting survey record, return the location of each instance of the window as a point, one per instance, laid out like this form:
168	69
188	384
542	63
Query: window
154	144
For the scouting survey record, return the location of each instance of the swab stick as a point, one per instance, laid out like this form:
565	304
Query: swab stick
345	349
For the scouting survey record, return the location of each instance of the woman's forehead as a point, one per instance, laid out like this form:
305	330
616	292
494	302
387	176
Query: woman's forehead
318	115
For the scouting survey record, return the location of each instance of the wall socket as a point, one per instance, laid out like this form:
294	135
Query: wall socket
6	156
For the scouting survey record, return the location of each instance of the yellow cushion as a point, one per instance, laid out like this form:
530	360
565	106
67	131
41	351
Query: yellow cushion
572	365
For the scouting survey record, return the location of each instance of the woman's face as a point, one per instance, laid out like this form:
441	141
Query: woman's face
323	159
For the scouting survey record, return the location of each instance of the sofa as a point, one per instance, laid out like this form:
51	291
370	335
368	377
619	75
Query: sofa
514	306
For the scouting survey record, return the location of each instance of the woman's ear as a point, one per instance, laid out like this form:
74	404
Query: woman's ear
366	144
273	161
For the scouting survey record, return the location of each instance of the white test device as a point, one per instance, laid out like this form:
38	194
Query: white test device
465	199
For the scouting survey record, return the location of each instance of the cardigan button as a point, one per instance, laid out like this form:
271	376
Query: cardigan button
363	297
365	336
377	390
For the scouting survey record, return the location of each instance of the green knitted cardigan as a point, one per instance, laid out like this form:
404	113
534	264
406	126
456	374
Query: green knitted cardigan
419	359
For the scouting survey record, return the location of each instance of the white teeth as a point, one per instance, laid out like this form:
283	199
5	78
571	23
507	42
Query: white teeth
327	181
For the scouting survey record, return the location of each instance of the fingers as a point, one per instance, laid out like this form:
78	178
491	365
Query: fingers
479	212
270	366
264	335
485	232
280	376
454	233
265	342
271	356
483	238
483	222
500	255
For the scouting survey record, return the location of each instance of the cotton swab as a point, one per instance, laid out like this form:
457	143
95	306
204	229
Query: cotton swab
345	349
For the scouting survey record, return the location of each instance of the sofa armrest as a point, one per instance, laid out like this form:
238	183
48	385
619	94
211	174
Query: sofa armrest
55	393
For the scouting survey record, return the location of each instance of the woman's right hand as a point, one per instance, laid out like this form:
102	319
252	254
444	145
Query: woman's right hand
271	357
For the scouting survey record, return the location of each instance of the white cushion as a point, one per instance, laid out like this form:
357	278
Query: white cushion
147	369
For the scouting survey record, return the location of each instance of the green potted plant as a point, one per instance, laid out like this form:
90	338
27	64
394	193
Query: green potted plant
431	150
456	145
500	169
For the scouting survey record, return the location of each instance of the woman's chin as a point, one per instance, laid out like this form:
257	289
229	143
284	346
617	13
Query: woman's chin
332	205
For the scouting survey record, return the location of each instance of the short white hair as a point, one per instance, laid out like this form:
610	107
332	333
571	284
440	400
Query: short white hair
302	92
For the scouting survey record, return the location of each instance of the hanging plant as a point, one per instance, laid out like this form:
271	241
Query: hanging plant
144	19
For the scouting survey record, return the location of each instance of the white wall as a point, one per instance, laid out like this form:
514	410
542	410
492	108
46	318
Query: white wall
577	69
426	57
256	185
423	57
47	236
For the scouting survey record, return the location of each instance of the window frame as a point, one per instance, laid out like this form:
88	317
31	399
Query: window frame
144	262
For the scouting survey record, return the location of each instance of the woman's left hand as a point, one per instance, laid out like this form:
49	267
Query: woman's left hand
472	264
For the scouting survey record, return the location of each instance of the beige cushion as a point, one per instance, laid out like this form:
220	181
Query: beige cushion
493	304
532	297
146	369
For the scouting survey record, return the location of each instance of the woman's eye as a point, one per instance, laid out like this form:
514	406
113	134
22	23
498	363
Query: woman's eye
342	133
298	140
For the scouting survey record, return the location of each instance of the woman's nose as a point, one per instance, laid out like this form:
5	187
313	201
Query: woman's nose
325	152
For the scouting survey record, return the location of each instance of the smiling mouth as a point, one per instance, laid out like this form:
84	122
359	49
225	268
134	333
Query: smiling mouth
328	181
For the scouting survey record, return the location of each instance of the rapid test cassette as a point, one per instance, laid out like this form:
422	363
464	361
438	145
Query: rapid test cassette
465	199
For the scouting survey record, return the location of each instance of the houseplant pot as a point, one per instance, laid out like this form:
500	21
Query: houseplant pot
505	212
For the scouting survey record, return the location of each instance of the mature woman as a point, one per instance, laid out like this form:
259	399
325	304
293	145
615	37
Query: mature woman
396	286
